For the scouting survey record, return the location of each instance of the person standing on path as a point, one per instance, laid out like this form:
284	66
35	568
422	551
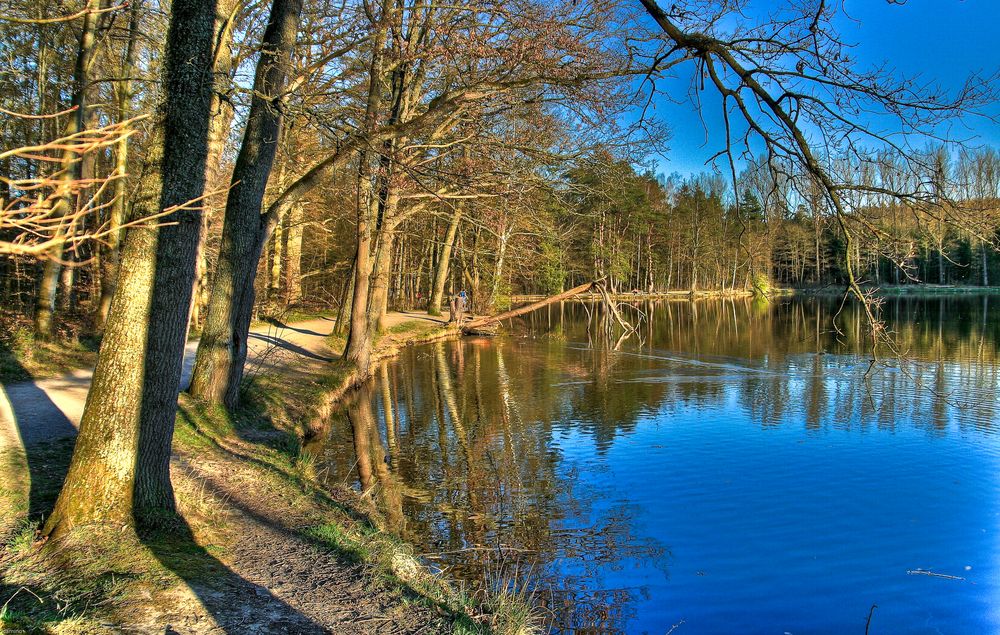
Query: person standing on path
458	306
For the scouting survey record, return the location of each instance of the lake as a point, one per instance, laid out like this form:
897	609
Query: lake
729	468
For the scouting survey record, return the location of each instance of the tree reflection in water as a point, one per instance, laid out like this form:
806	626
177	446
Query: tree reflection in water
472	448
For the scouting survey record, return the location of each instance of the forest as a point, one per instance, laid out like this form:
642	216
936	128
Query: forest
184	170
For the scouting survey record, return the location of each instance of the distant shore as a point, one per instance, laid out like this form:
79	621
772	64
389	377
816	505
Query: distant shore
832	289
896	290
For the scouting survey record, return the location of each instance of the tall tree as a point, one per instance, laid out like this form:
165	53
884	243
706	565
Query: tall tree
123	104
222	350
70	171
120	470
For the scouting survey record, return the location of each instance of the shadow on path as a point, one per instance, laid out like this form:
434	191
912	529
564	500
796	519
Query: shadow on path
304	331
235	604
35	426
289	346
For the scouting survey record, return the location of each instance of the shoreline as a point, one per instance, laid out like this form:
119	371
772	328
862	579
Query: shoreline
686	296
261	542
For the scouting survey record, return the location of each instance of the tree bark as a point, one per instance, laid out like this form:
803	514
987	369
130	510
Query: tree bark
443	262
119	473
112	255
293	266
222	350
379	299
221	121
358	350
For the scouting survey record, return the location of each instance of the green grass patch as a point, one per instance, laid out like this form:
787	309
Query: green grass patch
67	585
22	357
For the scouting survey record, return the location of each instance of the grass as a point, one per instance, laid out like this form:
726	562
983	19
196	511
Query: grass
413	328
22	357
77	584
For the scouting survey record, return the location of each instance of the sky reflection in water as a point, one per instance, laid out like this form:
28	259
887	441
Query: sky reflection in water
731	468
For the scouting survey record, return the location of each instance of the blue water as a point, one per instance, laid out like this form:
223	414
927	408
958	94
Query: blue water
739	476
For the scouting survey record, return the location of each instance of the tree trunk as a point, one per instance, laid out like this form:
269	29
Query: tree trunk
277	255
222	350
940	255
119	473
444	260
379	299
344	310
70	165
986	270
504	238
293	266
359	346
358	349
112	255
506	315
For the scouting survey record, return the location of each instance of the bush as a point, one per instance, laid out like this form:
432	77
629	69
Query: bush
761	284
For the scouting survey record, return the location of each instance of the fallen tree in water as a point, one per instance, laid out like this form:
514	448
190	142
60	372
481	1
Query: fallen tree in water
488	324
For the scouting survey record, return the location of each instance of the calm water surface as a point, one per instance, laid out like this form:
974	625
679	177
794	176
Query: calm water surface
731	470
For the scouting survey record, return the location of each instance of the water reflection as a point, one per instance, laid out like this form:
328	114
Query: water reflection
722	466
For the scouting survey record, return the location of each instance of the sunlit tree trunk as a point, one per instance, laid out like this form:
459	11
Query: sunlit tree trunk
222	349
344	310
218	136
359	345
123	98
379	300
119	473
277	255
293	266
443	262
985	262
504	238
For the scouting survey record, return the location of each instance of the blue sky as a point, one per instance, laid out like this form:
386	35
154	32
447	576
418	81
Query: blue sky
940	40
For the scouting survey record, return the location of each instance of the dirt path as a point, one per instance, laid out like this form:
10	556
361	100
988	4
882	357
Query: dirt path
277	580
50	409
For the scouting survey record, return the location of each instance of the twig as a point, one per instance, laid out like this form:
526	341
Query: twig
935	575
3	609
871	611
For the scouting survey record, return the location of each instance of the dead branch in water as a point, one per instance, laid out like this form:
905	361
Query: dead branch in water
612	306
479	324
482	322
871	612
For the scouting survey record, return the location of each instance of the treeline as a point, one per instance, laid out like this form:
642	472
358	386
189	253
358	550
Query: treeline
650	233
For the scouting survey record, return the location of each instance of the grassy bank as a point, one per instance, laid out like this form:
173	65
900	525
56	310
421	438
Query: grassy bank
24	357
258	544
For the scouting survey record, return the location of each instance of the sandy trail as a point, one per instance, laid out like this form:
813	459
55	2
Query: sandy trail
50	409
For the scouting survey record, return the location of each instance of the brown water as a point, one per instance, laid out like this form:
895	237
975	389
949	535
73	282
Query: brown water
730	467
